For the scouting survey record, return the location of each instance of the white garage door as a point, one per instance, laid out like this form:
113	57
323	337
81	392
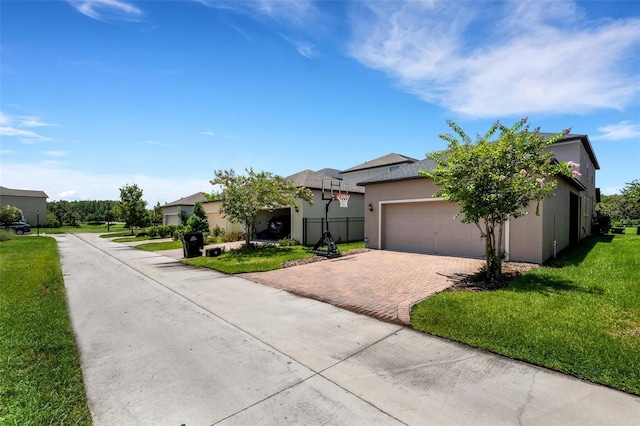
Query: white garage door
429	227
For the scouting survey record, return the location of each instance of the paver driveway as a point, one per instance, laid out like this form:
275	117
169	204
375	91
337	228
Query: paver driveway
382	284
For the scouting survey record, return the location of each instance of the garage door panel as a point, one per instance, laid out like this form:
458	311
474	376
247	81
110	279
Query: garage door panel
429	227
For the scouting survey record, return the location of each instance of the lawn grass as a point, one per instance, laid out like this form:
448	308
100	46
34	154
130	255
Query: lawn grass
159	245
40	376
260	260
580	316
116	228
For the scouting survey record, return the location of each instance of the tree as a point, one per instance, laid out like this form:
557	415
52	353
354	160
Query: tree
10	214
243	197
494	180
132	208
631	201
198	221
155	215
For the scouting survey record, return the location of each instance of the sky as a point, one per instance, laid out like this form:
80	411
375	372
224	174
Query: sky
95	95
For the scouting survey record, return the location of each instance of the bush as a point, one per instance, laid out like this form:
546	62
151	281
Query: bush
6	235
153	231
52	222
217	231
232	236
287	242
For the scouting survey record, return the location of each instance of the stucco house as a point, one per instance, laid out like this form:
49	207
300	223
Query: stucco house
404	215
171	211
32	203
376	167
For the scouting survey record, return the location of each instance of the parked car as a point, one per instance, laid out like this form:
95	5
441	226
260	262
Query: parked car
17	227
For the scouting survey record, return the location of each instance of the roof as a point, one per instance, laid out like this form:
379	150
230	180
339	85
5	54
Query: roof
8	192
582	138
190	200
408	172
385	160
313	180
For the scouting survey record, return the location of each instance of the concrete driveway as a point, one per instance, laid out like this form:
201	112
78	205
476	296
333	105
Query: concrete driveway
382	284
161	342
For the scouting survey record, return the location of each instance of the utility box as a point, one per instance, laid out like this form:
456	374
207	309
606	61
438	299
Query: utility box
192	243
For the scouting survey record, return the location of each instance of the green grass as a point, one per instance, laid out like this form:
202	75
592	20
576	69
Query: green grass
260	260
40	376
83	227
159	246
580	316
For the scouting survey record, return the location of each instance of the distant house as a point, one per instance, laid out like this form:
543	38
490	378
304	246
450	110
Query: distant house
379	166
405	216
171	211
32	203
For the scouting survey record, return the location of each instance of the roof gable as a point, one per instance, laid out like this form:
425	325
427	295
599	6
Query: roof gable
8	192
313	180
190	200
410	171
385	160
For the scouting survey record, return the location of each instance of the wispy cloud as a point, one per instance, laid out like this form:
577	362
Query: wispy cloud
108	10
533	57
14	127
55	153
33	121
207	133
304	48
155	143
620	131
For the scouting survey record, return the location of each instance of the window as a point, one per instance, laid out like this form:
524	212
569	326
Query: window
392	168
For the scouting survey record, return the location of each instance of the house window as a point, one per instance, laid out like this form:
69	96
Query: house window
392	168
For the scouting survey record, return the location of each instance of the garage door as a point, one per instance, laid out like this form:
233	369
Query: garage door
429	227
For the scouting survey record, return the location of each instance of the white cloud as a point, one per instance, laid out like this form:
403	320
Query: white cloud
537	58
304	48
55	153
27	136
107	10
155	143
4	119
33	121
619	131
207	133
66	194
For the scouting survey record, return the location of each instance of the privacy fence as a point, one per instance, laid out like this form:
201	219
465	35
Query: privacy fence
343	229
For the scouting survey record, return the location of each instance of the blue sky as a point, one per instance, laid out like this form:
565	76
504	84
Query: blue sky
98	94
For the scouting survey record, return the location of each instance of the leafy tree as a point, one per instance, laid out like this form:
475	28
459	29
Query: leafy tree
494	180
132	208
243	197
198	221
631	201
10	214
155	215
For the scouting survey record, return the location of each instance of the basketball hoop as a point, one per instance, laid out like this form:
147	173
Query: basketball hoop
344	200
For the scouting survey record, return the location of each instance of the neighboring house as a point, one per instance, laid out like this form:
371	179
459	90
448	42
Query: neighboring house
403	215
171	211
308	221
32	203
371	169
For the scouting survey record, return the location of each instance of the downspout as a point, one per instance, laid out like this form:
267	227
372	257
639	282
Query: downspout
507	229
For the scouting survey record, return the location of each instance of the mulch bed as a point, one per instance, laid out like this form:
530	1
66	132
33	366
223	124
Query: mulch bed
297	262
477	281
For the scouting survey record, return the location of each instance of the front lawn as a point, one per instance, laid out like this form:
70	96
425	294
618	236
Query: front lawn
580	316
40	376
259	260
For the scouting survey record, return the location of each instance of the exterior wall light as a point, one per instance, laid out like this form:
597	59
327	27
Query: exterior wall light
370	207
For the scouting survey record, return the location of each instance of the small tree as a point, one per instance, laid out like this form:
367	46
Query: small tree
10	214
198	221
155	215
132	208
243	197
493	180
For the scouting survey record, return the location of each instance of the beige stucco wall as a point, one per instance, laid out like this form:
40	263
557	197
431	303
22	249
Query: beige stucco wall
30	207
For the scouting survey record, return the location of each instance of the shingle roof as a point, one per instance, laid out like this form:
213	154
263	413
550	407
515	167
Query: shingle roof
405	173
385	160
22	193
191	200
313	180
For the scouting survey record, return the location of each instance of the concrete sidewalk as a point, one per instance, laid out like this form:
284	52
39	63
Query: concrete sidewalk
164	343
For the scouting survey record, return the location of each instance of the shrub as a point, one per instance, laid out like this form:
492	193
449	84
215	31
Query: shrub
153	231
232	236
52	222
6	235
217	231
286	242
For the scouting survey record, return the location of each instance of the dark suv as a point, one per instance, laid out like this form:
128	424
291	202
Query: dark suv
18	227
